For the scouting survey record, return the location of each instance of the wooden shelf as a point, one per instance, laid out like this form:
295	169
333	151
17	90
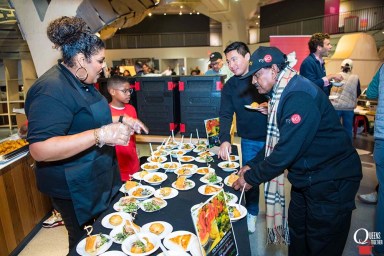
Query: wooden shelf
14	97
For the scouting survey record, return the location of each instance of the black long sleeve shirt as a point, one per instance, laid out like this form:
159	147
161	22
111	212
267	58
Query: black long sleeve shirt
251	124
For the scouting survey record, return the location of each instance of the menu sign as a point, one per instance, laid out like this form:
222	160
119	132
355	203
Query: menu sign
212	127
214	228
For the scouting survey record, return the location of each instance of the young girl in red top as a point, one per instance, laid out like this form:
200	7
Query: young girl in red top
120	91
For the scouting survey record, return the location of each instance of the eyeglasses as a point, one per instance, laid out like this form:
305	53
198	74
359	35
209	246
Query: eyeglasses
130	90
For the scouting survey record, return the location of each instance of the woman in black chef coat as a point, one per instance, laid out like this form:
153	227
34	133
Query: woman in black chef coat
71	130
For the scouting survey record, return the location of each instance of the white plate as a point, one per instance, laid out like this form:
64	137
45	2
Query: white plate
177	153
156	159
123	190
119	208
170	164
242	209
113	253
226	181
173	246
174	253
186	147
206	153
165	147
163	177
203	159
167	228
223	165
204	180
204	170
164	203
234	158
127	244
115	231
200	148
202	189
149	188
190	186
151	167
80	248
257	108
233	198
332	97
337	84
173	194
186	159
140	175
193	166
105	220
162	152
184	171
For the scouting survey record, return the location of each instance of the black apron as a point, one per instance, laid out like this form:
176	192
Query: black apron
96	179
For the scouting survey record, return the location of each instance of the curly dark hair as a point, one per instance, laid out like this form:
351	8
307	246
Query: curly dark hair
317	39
73	36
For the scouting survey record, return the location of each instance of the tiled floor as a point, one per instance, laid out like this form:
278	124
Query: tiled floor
52	242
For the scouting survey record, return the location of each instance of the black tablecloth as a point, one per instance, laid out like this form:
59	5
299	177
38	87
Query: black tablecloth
177	212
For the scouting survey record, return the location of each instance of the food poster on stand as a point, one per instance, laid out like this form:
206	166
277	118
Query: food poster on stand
212	127
213	227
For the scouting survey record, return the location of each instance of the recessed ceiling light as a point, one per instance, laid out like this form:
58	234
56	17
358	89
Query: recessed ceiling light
165	13
180	13
150	14
197	13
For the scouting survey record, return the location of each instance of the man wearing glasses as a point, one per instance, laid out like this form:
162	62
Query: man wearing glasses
217	66
120	91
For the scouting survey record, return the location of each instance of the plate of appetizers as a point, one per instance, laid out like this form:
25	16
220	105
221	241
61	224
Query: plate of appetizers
141	192
153	204
94	245
166	193
209	189
134	247
115	219
159	228
182	183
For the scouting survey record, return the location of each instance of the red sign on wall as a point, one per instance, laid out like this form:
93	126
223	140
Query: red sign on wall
289	44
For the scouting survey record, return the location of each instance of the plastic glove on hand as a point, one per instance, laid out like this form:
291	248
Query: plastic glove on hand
114	134
136	125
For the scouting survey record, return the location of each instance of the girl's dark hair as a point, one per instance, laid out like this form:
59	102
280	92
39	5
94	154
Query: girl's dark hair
73	36
240	47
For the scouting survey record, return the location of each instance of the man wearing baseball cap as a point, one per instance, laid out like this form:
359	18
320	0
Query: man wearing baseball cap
218	66
305	137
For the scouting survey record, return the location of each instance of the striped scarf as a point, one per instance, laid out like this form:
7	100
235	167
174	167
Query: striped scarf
277	223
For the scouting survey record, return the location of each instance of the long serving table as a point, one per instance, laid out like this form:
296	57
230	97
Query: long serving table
178	210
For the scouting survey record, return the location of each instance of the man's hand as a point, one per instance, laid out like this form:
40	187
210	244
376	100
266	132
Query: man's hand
225	150
240	183
243	170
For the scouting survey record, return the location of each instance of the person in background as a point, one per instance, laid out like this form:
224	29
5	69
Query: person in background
313	65
323	166
167	72
146	69
251	124
376	91
120	91
126	73
346	95
71	130
139	68
194	72
217	66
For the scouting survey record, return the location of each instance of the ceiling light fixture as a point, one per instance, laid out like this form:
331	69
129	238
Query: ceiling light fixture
180	13
150	14
198	13
165	13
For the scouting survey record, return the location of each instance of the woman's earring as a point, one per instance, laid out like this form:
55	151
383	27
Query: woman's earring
81	73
